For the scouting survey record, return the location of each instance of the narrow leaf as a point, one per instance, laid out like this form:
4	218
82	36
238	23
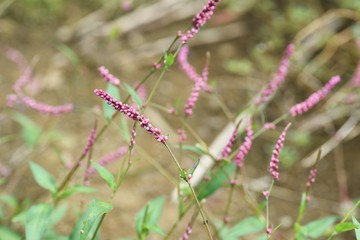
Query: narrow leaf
30	130
125	132
149	216
36	221
357	229
344	227
106	175
109	110
206	189
245	227
134	95
43	177
92	217
193	167
317	228
73	190
69	53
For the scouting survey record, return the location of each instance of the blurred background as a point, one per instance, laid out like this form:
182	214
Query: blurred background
65	42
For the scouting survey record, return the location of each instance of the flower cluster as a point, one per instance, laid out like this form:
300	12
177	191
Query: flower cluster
199	20
45	108
245	147
133	114
107	76
278	78
195	92
314	98
312	177
91	140
186	235
227	149
274	164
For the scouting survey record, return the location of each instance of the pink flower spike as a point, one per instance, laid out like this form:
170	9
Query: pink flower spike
199	20
279	78
245	147
45	108
314	98
133	114
227	149
195	92
185	66
187	233
312	177
90	140
108	77
274	164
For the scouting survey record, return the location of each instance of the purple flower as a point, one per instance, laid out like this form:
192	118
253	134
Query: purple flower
133	114
245	147
199	20
43	107
108	77
314	98
227	149
195	92
279	78
274	164
91	140
312	177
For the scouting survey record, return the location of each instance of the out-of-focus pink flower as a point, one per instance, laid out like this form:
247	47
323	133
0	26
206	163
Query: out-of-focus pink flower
274	163
199	20
312	177
186	235
269	126
245	147
227	149
133	114
108	77
45	108
279	78
314	98
91	140
182	135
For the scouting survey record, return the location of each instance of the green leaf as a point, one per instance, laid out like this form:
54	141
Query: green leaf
193	167
37	219
57	214
245	227
106	175
8	234
73	190
43	178
9	200
221	176
30	131
125	132
196	149
317	228
357	229
91	219
69	53
20	218
108	109
134	95
169	60
344	227
148	217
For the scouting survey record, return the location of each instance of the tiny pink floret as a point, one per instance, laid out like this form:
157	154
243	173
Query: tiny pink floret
245	147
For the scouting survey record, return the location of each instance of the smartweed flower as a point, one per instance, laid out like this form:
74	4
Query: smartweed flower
274	164
199	20
133	114
227	149
314	98
108	77
279	78
245	147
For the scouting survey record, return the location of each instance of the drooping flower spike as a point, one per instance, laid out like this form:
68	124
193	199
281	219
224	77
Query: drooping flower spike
133	114
108	77
245	147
